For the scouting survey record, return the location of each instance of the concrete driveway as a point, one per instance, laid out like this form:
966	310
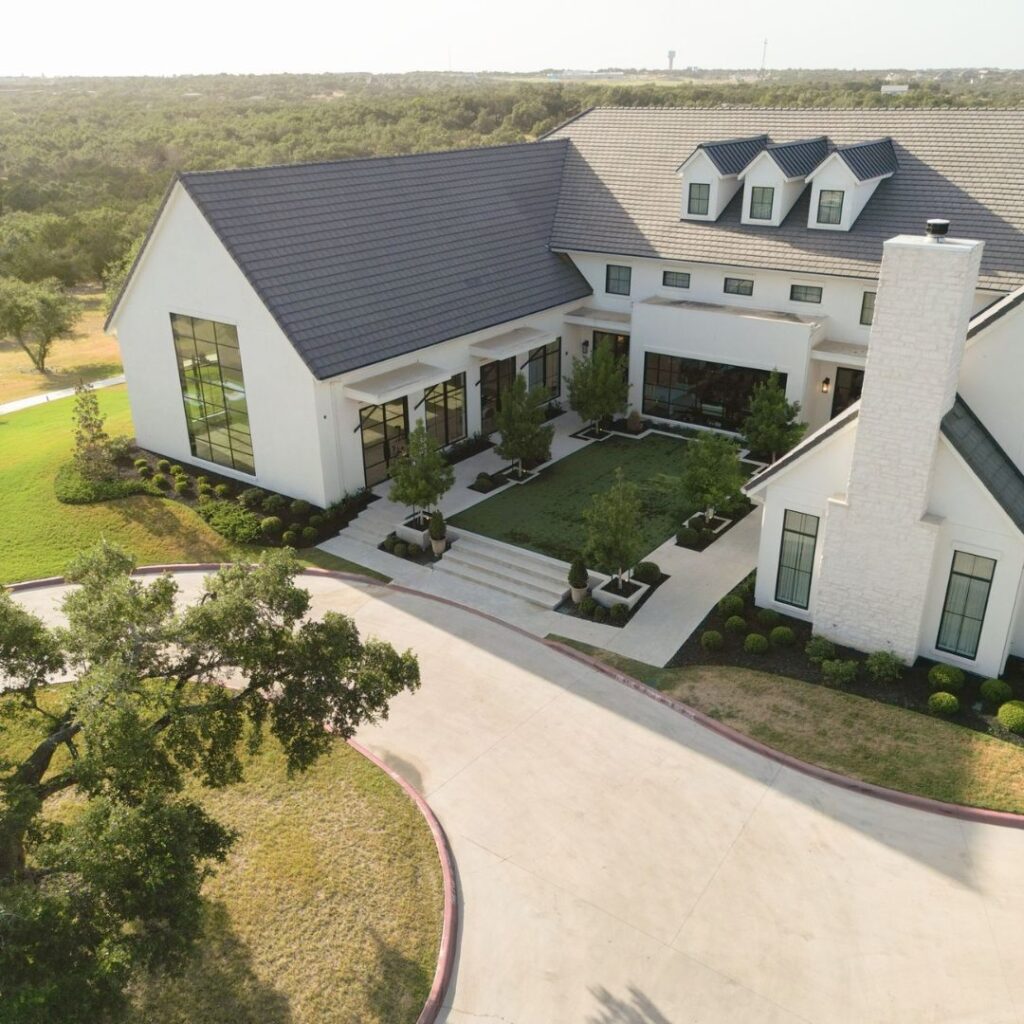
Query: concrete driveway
618	864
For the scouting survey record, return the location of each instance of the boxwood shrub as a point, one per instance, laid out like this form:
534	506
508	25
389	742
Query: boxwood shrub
943	704
756	643
252	498
995	692
946	677
819	650
647	572
273	504
736	624
182	485
731	604
587	606
140	462
401	548
884	666
300	508
768	617
600	613
782	636
618	614
145	470
232	521
290	537
163	465
839	671
222	490
711	640
310	534
1011	716
687	536
161	481
271	526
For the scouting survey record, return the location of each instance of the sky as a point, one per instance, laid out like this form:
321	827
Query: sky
135	37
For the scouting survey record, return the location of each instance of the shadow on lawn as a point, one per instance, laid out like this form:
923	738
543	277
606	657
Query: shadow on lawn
218	983
155	516
399	986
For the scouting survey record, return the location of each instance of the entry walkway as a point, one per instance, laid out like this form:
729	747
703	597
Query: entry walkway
619	864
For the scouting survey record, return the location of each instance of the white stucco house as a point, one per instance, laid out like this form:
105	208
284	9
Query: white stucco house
288	325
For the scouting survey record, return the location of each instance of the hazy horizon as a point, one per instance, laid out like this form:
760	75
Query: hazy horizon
109	39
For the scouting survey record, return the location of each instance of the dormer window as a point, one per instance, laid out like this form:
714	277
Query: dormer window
762	199
700	194
830	206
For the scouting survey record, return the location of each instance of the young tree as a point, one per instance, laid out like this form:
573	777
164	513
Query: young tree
598	387
612	525
771	427
524	435
35	315
92	454
711	473
82	904
422	476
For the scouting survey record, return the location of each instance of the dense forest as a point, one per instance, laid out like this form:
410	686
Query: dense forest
83	162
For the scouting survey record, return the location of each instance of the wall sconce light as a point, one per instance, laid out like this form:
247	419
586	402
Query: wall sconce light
825	385
586	347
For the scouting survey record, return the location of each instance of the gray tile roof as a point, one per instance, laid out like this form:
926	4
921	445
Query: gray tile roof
798	159
621	193
732	155
987	460
870	159
361	260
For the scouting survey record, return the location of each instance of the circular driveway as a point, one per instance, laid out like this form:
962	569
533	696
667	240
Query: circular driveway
620	864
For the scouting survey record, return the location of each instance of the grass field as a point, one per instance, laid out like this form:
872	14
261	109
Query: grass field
545	514
865	739
89	355
327	911
39	535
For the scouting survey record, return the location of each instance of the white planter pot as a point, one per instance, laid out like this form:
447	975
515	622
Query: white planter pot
438	545
609	598
578	593
413	535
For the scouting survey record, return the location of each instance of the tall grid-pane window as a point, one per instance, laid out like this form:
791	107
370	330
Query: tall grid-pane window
698	199
739	286
617	279
796	559
544	368
867	309
210	371
963	612
445	406
830	206
804	293
761	200
675	279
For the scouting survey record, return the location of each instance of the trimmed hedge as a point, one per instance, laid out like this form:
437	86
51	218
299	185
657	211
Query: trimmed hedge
943	704
232	521
1011	716
948	678
995	692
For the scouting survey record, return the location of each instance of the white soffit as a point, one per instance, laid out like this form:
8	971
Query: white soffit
511	343
385	387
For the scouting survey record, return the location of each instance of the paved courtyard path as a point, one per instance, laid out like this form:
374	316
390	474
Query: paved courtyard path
51	396
619	864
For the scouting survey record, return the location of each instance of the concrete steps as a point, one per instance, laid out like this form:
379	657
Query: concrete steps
510	570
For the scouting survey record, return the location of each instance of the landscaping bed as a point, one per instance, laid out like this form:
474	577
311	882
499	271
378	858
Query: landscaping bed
694	536
392	544
466	449
589	609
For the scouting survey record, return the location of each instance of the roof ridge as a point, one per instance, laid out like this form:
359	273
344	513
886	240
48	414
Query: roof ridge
870	142
797	142
365	159
747	108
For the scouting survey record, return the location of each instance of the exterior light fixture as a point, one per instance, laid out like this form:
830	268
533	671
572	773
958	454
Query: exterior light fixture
825	385
586	347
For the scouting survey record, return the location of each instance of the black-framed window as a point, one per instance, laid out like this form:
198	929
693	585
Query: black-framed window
804	293
697	391
739	286
213	391
762	198
617	279
830	206
445	408
544	368
796	559
867	309
699	197
963	611
675	279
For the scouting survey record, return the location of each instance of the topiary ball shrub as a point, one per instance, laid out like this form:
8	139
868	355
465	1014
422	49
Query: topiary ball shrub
782	636
310	534
401	549
145	470
711	640
271	526
483	479
389	543
687	537
587	606
768	617
163	465
161	481
756	643
204	490
177	470
317	521
1011	716
819	650
300	508
884	666
946	677
945	704
140	462
290	537
273	504
731	604
618	614
600	613
182	485
736	624
647	572
222	490
839	671
202	480
578	575
995	692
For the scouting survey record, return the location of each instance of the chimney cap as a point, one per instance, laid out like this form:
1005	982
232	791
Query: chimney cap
937	226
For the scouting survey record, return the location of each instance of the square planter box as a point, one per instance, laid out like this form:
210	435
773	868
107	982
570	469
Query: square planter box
411	532
696	522
610	597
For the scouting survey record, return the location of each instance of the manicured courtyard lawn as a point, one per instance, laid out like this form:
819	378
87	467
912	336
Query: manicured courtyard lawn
545	514
865	739
328	909
39	535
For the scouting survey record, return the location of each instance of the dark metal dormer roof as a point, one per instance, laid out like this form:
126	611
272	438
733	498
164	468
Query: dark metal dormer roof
870	159
986	459
730	156
798	159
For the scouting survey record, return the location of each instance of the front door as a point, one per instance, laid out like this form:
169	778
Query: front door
385	432
495	380
848	387
619	344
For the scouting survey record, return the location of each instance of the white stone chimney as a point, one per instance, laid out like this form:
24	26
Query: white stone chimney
879	540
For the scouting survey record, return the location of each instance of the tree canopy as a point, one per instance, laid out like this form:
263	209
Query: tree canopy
771	428
711	475
520	420
612	525
35	314
598	387
159	694
422	475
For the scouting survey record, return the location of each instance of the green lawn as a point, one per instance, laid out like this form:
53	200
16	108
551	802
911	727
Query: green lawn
328	909
545	514
39	535
864	739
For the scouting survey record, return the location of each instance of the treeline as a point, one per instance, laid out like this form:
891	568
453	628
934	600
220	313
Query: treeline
83	162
